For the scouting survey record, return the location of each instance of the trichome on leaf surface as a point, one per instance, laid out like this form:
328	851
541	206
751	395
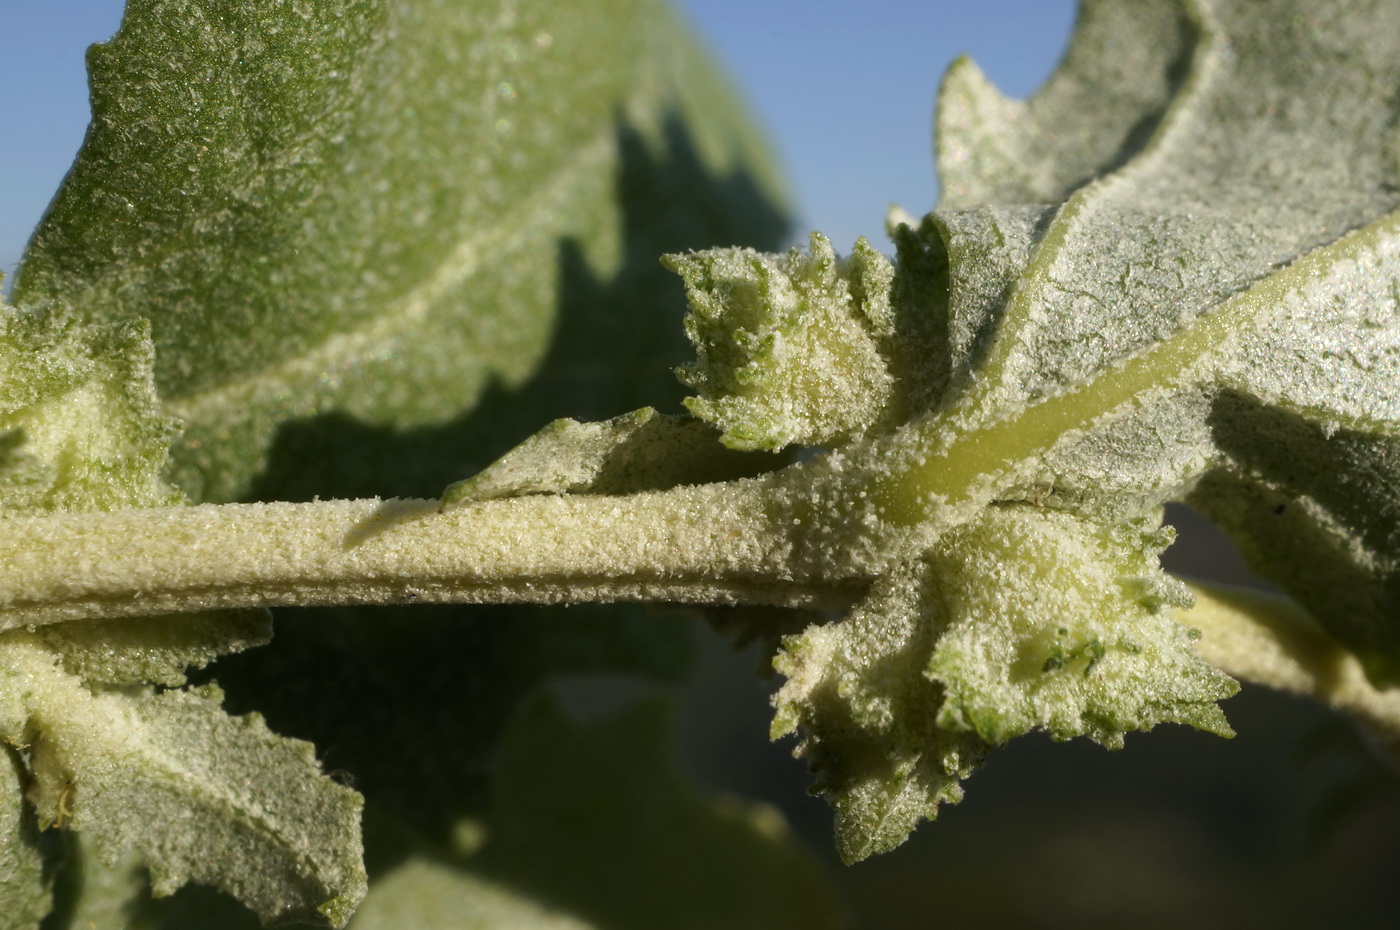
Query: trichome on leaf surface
325	250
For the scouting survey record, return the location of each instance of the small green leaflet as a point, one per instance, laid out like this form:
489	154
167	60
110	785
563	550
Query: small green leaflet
1075	637
868	714
80	424
752	316
1079	639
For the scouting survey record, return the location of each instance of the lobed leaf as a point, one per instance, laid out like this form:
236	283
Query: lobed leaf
1053	623
867	712
1022	620
789	346
375	212
1126	61
1302	410
1209	313
195	794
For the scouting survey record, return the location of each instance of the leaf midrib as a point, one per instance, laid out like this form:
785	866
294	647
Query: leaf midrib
962	468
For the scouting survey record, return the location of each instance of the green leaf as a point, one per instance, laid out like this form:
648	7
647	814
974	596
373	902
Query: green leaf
374	213
156	650
27	893
196	794
1209	313
1075	637
1022	620
624	842
638	451
80	424
857	688
1246	137
427	892
1125	63
752	315
1210	203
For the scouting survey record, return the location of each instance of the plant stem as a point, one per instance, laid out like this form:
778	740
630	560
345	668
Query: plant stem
717	544
1270	640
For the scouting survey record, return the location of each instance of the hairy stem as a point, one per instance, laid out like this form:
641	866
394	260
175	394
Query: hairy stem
714	544
1270	640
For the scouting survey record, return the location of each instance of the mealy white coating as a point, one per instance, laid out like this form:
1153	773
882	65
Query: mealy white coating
198	794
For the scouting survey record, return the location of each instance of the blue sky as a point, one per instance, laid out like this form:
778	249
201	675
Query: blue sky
847	97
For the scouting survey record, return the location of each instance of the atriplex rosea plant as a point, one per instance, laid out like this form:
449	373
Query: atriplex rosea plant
1172	274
